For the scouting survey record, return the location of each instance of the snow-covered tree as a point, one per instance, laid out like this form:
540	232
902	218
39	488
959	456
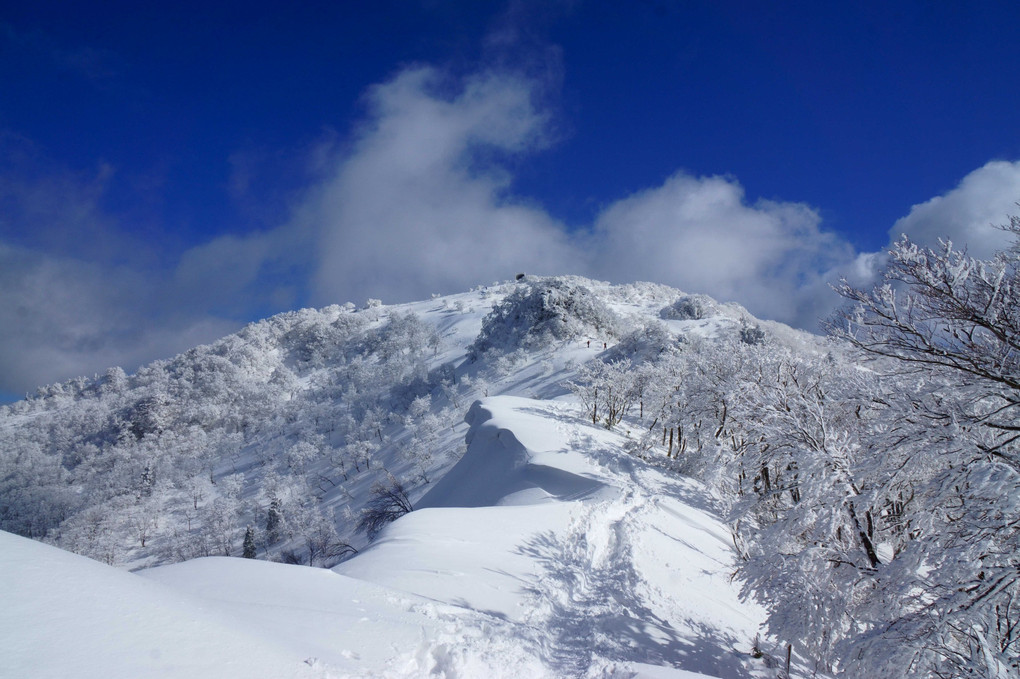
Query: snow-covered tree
955	320
606	390
541	312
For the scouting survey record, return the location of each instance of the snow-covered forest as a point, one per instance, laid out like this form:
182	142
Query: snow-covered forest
865	486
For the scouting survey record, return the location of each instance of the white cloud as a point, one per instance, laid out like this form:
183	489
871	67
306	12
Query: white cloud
700	235
63	317
966	214
420	203
418	200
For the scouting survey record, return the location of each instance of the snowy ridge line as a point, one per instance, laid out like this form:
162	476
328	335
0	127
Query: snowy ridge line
513	472
575	585
285	427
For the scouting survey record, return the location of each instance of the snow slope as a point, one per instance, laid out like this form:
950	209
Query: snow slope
64	615
595	563
546	552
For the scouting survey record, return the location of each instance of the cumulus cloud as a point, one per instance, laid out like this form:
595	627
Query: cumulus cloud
700	234
420	203
966	214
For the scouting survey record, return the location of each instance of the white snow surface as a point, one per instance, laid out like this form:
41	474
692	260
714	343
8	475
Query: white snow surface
547	551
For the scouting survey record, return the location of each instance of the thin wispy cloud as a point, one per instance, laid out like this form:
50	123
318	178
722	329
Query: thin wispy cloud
92	64
52	208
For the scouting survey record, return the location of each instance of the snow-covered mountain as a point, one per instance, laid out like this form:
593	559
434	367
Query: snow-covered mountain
300	415
548	477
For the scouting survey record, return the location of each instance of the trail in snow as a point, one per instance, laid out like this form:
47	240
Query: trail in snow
546	551
586	558
598	605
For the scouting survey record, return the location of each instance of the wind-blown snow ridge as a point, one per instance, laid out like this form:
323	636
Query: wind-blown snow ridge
499	469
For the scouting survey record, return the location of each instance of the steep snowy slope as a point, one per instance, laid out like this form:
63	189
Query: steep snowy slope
557	555
285	427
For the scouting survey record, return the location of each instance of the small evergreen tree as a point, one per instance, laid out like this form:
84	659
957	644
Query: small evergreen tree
148	479
249	543
273	519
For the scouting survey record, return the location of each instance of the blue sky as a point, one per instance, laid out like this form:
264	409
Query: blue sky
169	173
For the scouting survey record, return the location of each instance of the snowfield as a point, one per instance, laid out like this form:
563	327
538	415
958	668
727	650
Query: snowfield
546	551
